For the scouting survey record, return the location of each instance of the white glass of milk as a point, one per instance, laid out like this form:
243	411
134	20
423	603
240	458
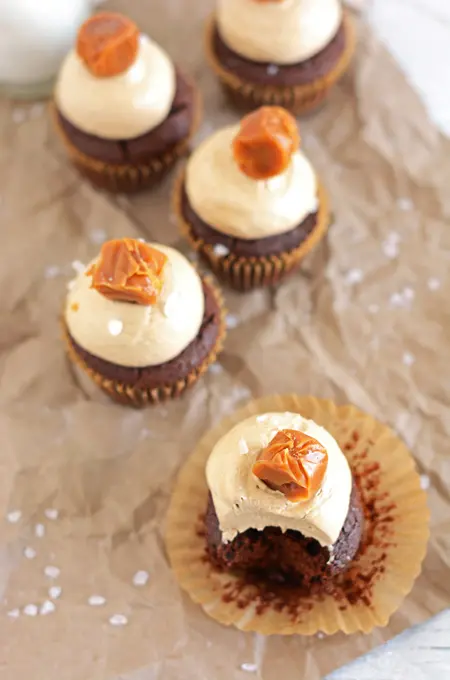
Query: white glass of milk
35	37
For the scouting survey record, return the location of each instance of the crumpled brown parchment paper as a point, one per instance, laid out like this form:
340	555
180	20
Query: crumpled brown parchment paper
366	321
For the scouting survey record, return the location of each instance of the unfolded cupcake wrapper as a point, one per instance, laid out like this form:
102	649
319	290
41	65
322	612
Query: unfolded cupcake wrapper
137	397
247	273
394	541
120	178
299	99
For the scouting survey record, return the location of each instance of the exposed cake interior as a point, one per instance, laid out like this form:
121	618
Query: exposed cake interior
282	500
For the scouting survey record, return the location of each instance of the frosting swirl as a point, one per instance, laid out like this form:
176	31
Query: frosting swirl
285	32
123	106
135	334
237	205
242	501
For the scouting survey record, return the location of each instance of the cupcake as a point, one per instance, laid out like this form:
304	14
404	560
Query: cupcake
250	202
140	323
284	52
295	515
282	502
124	111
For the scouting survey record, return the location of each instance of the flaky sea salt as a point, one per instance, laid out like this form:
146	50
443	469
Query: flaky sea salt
424	482
243	446
216	368
273	69
97	236
96	600
47	608
249	667
232	321
141	578
39	530
14	516
354	276
262	418
30	610
54	592
14	613
52	571
78	267
51	513
220	250
408	359
52	271
118	620
115	327
434	283
405	204
30	553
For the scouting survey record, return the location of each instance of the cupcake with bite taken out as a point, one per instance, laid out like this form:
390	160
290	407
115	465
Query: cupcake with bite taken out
250	202
283	52
296	515
282	502
124	111
141	324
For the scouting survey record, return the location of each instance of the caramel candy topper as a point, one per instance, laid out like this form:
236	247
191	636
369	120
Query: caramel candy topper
293	463
128	270
108	44
266	141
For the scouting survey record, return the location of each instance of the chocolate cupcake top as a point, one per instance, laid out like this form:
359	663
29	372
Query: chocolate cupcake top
136	305
116	83
251	181
278	31
280	470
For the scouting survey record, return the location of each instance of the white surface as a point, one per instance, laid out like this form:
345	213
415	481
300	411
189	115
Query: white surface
421	653
417	33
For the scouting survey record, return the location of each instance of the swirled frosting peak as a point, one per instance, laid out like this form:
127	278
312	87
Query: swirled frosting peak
284	32
116	89
138	335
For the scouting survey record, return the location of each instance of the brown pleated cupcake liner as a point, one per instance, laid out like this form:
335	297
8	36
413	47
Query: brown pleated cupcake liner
123	178
246	273
137	397
298	99
381	575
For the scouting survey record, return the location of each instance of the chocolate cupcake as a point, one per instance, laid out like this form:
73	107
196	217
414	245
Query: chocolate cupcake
250	201
282	502
298	527
141	324
124	111
283	52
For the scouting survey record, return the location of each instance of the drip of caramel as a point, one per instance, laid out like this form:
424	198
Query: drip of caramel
129	270
292	463
265	143
108	44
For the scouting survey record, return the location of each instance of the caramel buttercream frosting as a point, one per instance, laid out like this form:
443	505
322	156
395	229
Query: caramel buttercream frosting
117	83
280	470
136	305
251	181
280	32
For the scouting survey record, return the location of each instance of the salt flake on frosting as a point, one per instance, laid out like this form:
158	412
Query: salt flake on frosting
243	446
115	327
